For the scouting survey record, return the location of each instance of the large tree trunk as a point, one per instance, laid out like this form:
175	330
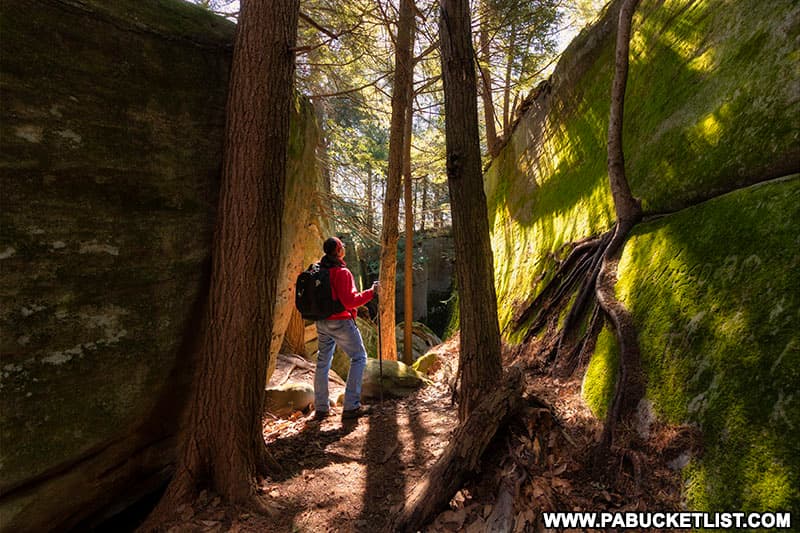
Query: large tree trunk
480	333
408	288
222	446
401	98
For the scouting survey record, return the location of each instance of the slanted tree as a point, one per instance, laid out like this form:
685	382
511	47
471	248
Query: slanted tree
401	99
587	276
221	446
630	379
480	367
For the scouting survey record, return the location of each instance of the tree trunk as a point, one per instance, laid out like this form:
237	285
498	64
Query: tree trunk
463	453
507	108
480	333
424	203
630	385
401	98
628	209
222	447
408	315
370	216
485	63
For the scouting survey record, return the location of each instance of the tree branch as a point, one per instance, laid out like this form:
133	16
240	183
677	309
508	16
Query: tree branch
308	20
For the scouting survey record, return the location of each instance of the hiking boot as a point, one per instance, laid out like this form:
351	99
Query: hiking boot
321	415
352	414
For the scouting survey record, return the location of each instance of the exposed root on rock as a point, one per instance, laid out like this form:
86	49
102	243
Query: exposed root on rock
582	292
630	385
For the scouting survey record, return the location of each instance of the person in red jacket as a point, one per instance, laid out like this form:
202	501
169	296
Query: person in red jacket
340	330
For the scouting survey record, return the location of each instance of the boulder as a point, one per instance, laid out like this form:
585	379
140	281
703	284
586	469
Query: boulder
427	364
292	386
283	400
422	339
399	380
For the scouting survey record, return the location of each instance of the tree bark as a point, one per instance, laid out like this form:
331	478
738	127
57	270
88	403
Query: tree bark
628	209
221	444
408	315
480	333
401	98
462	455
630	385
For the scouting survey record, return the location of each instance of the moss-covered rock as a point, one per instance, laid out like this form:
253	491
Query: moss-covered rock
110	154
695	126
422	339
398	380
711	107
428	363
713	292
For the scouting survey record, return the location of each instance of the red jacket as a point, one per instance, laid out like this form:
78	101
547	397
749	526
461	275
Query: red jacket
343	287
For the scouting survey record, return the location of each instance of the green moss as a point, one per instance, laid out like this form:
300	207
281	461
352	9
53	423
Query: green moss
713	292
601	375
540	202
695	126
710	102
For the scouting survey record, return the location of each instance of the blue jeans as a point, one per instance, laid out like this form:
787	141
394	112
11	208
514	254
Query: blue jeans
345	334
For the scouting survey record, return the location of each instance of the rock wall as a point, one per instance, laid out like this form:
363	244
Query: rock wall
712	147
111	135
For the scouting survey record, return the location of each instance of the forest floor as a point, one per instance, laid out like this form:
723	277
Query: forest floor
355	477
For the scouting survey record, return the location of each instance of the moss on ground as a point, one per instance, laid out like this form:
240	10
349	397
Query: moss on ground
713	292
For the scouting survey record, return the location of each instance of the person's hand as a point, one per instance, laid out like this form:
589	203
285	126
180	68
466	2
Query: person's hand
376	287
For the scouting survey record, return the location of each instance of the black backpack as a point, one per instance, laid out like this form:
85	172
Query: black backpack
312	295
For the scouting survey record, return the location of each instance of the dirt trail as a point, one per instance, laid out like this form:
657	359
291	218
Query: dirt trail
354	477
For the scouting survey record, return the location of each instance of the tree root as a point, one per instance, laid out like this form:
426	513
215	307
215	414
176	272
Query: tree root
588	275
630	384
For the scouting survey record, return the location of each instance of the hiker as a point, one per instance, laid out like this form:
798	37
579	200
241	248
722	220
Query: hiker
339	329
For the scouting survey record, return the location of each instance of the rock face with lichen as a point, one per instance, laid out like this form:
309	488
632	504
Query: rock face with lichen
111	132
712	146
